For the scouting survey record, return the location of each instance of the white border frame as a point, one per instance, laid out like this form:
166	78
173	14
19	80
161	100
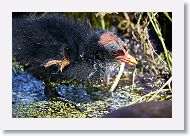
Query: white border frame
9	123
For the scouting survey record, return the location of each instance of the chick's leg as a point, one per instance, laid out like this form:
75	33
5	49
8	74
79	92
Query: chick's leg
52	94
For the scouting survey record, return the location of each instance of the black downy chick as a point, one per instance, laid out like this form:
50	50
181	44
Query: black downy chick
58	48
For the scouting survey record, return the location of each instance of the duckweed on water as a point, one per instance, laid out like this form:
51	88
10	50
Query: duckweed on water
95	103
44	109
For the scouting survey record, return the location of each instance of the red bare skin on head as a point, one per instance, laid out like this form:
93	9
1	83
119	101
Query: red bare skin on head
109	37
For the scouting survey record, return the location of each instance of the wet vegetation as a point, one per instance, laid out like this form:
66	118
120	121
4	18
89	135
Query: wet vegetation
148	37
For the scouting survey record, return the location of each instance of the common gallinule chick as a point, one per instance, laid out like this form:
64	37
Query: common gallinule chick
56	48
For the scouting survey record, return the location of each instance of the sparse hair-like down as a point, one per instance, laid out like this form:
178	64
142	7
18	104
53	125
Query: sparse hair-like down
37	40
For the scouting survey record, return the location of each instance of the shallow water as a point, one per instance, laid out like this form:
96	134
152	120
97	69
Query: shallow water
29	99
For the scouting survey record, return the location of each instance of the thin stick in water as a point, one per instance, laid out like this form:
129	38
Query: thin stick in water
116	81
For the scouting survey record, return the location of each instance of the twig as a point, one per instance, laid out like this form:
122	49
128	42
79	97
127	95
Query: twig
152	93
158	91
116	81
133	80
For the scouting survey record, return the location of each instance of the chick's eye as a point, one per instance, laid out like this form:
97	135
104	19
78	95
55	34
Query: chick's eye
112	47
